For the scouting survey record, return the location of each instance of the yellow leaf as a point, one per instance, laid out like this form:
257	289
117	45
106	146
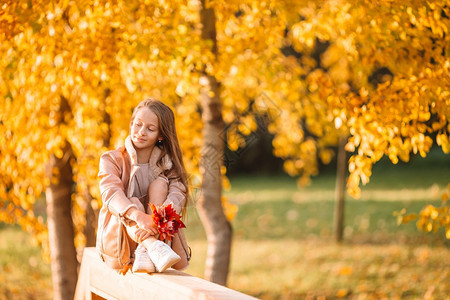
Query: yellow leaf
230	210
346	271
341	293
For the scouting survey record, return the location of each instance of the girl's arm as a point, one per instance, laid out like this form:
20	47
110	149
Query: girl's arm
176	194
111	185
113	194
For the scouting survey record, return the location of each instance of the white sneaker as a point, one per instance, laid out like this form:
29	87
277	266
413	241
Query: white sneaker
142	262
162	256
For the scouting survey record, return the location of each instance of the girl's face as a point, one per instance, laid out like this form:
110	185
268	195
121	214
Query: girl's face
145	129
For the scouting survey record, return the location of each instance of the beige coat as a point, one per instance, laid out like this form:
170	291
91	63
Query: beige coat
116	172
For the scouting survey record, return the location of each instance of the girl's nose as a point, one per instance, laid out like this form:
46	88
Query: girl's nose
142	131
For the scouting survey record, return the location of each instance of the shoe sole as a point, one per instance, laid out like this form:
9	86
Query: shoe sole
143	271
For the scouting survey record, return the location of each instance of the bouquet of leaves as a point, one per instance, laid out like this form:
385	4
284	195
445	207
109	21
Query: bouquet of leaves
167	221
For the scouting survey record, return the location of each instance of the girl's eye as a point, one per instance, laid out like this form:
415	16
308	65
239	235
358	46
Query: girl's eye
138	124
150	129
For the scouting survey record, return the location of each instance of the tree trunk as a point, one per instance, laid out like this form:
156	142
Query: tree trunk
217	227
340	190
60	226
91	220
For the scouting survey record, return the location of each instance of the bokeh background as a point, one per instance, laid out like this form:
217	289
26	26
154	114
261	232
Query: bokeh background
302	113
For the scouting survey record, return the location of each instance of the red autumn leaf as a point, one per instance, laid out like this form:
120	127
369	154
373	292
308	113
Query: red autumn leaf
167	221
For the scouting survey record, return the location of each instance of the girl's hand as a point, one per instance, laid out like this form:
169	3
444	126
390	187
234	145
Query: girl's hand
146	223
143	221
142	235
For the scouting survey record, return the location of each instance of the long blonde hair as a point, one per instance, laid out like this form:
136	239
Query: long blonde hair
169	144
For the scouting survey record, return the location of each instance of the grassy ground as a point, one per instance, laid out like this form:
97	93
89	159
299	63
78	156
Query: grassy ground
283	242
316	269
283	246
23	274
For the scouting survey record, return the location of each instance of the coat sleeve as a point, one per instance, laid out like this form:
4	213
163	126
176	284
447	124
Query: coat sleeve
111	185
176	194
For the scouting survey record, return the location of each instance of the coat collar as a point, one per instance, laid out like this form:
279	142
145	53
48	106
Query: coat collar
154	156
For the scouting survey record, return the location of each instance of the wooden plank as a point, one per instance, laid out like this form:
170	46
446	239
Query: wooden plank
97	281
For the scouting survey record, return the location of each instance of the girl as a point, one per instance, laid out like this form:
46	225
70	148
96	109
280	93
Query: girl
148	169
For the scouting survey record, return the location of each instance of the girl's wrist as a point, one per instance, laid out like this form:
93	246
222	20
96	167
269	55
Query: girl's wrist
132	213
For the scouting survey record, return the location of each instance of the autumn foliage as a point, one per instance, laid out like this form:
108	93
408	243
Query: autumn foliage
167	221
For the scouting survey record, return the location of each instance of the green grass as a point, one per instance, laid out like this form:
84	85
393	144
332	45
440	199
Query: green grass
312	268
23	273
283	240
288	219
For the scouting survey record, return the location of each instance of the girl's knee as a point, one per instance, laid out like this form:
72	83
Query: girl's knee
159	184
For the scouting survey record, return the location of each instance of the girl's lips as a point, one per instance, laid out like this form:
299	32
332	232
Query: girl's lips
140	140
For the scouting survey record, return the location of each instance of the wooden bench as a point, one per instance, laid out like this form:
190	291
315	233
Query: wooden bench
97	281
